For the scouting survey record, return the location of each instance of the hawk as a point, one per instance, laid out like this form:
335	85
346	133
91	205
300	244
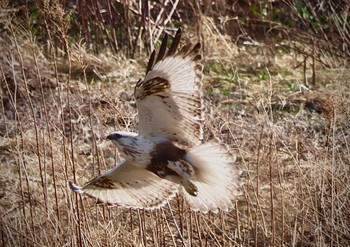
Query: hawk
167	156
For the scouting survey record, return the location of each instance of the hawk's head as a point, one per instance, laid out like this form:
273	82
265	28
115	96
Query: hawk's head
121	138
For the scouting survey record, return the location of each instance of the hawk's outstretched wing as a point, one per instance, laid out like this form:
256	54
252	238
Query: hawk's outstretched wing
169	99
129	186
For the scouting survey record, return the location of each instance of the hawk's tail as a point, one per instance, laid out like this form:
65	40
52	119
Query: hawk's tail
217	178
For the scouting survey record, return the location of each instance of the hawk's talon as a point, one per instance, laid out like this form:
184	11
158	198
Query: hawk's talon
191	188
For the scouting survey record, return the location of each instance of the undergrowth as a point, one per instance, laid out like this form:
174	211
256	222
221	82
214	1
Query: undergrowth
291	139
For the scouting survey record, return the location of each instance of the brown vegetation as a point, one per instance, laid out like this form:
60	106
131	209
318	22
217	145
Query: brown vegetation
280	101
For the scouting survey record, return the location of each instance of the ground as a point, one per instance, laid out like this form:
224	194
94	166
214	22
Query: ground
291	142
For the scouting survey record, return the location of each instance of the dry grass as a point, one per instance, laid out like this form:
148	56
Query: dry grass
292	145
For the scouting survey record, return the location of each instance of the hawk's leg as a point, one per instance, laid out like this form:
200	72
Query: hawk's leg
185	172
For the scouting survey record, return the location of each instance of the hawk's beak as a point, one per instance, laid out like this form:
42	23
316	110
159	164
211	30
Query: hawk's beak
113	136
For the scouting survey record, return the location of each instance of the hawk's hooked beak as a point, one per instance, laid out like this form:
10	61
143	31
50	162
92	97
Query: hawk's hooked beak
114	136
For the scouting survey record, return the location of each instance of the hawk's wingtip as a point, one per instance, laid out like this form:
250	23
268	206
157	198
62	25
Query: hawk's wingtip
75	188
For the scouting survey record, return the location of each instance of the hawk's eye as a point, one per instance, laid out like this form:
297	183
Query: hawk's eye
114	136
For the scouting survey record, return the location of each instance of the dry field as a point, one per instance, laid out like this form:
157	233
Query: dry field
292	144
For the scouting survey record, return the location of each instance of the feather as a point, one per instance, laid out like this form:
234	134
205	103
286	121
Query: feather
129	186
150	62
162	49
216	178
175	43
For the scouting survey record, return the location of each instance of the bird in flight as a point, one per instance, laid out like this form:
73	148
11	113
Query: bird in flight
167	156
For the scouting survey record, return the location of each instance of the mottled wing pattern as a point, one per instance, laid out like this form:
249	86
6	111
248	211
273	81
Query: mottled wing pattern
169	99
129	186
